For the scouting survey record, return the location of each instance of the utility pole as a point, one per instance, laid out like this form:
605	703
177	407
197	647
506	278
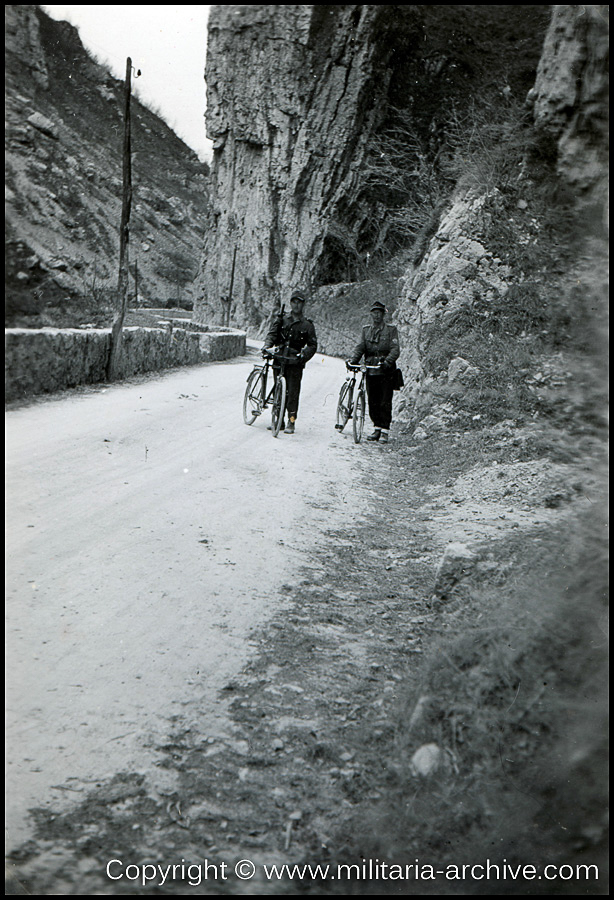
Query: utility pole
136	282
122	282
232	281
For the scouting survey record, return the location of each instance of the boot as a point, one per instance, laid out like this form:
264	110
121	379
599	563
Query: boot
289	429
375	436
384	437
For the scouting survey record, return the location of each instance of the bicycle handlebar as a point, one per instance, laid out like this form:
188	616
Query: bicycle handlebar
361	367
268	354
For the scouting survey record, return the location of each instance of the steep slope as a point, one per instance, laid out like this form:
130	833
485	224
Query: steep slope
63	184
506	314
504	323
298	98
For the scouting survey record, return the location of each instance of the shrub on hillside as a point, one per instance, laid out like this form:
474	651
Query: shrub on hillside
487	145
402	175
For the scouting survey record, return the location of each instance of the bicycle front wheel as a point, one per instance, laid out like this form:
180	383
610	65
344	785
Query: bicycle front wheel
344	406
252	400
279	405
358	418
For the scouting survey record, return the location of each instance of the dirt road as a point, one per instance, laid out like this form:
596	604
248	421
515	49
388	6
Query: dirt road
225	650
149	531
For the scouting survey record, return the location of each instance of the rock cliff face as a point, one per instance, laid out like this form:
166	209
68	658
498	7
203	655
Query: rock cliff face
23	42
295	98
536	252
63	184
571	94
298	99
286	92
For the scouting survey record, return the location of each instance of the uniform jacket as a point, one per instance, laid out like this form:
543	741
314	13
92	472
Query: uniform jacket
377	345
298	338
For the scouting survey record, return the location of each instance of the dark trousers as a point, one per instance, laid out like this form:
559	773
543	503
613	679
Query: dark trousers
293	375
379	393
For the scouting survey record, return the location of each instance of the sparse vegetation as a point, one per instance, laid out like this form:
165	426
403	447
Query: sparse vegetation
505	682
401	172
528	222
487	145
99	291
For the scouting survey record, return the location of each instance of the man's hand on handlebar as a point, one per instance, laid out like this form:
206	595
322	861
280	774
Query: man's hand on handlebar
277	354
358	367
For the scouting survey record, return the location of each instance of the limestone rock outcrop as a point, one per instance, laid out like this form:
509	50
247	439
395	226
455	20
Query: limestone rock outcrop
456	270
22	35
462	269
291	103
296	95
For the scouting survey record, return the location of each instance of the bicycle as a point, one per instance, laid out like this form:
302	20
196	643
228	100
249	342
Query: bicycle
256	398
353	405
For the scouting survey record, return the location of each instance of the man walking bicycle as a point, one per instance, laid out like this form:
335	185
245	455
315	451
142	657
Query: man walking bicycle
295	335
379	344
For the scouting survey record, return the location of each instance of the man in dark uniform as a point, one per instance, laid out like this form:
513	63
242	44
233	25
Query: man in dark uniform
296	336
379	344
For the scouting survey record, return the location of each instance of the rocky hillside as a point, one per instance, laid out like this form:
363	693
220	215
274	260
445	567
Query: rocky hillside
306	102
63	185
506	311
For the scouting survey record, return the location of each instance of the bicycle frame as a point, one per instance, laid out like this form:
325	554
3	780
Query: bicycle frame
345	405
352	399
265	369
257	397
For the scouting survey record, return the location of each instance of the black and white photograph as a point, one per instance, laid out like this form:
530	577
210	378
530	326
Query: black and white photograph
306	450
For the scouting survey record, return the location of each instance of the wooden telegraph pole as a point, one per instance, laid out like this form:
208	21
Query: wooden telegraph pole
136	282
228	304
122	282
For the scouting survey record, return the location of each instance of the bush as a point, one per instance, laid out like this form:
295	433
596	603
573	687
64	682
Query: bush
402	176
487	145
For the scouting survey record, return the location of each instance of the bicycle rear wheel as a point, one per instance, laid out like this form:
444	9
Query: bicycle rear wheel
344	406
279	404
358	418
252	399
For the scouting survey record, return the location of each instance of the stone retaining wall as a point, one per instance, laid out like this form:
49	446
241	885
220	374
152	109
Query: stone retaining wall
52	359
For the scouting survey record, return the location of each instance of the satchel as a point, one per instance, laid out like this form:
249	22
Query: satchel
397	380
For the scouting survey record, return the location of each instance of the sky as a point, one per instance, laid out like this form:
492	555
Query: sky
167	43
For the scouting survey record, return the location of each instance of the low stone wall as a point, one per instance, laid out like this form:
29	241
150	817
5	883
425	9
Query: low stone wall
52	359
216	345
